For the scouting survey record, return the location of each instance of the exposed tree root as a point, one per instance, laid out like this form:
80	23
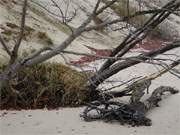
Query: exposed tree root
133	113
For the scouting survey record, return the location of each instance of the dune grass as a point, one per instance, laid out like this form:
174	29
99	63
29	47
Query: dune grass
48	85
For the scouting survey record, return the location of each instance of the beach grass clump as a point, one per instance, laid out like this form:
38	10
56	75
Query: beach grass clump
44	37
49	85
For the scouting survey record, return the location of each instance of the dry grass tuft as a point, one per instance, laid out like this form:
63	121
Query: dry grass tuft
47	85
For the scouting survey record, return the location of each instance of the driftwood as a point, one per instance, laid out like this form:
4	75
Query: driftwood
133	113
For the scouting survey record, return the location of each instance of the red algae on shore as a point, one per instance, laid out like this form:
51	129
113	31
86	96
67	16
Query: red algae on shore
146	45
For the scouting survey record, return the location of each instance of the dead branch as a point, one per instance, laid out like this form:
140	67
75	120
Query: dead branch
133	113
139	86
134	58
156	96
15	67
99	78
5	46
133	38
21	34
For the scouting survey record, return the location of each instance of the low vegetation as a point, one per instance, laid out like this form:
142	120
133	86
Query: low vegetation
10	31
46	85
44	38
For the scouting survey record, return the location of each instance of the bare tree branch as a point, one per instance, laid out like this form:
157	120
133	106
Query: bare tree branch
69	40
133	38
99	78
21	34
134	58
5	46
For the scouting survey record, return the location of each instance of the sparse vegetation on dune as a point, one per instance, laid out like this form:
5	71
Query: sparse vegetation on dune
44	38
10	31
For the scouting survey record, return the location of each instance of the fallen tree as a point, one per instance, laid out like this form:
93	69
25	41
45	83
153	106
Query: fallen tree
116	62
133	113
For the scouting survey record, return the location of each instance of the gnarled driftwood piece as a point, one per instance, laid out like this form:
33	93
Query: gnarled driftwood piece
133	113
